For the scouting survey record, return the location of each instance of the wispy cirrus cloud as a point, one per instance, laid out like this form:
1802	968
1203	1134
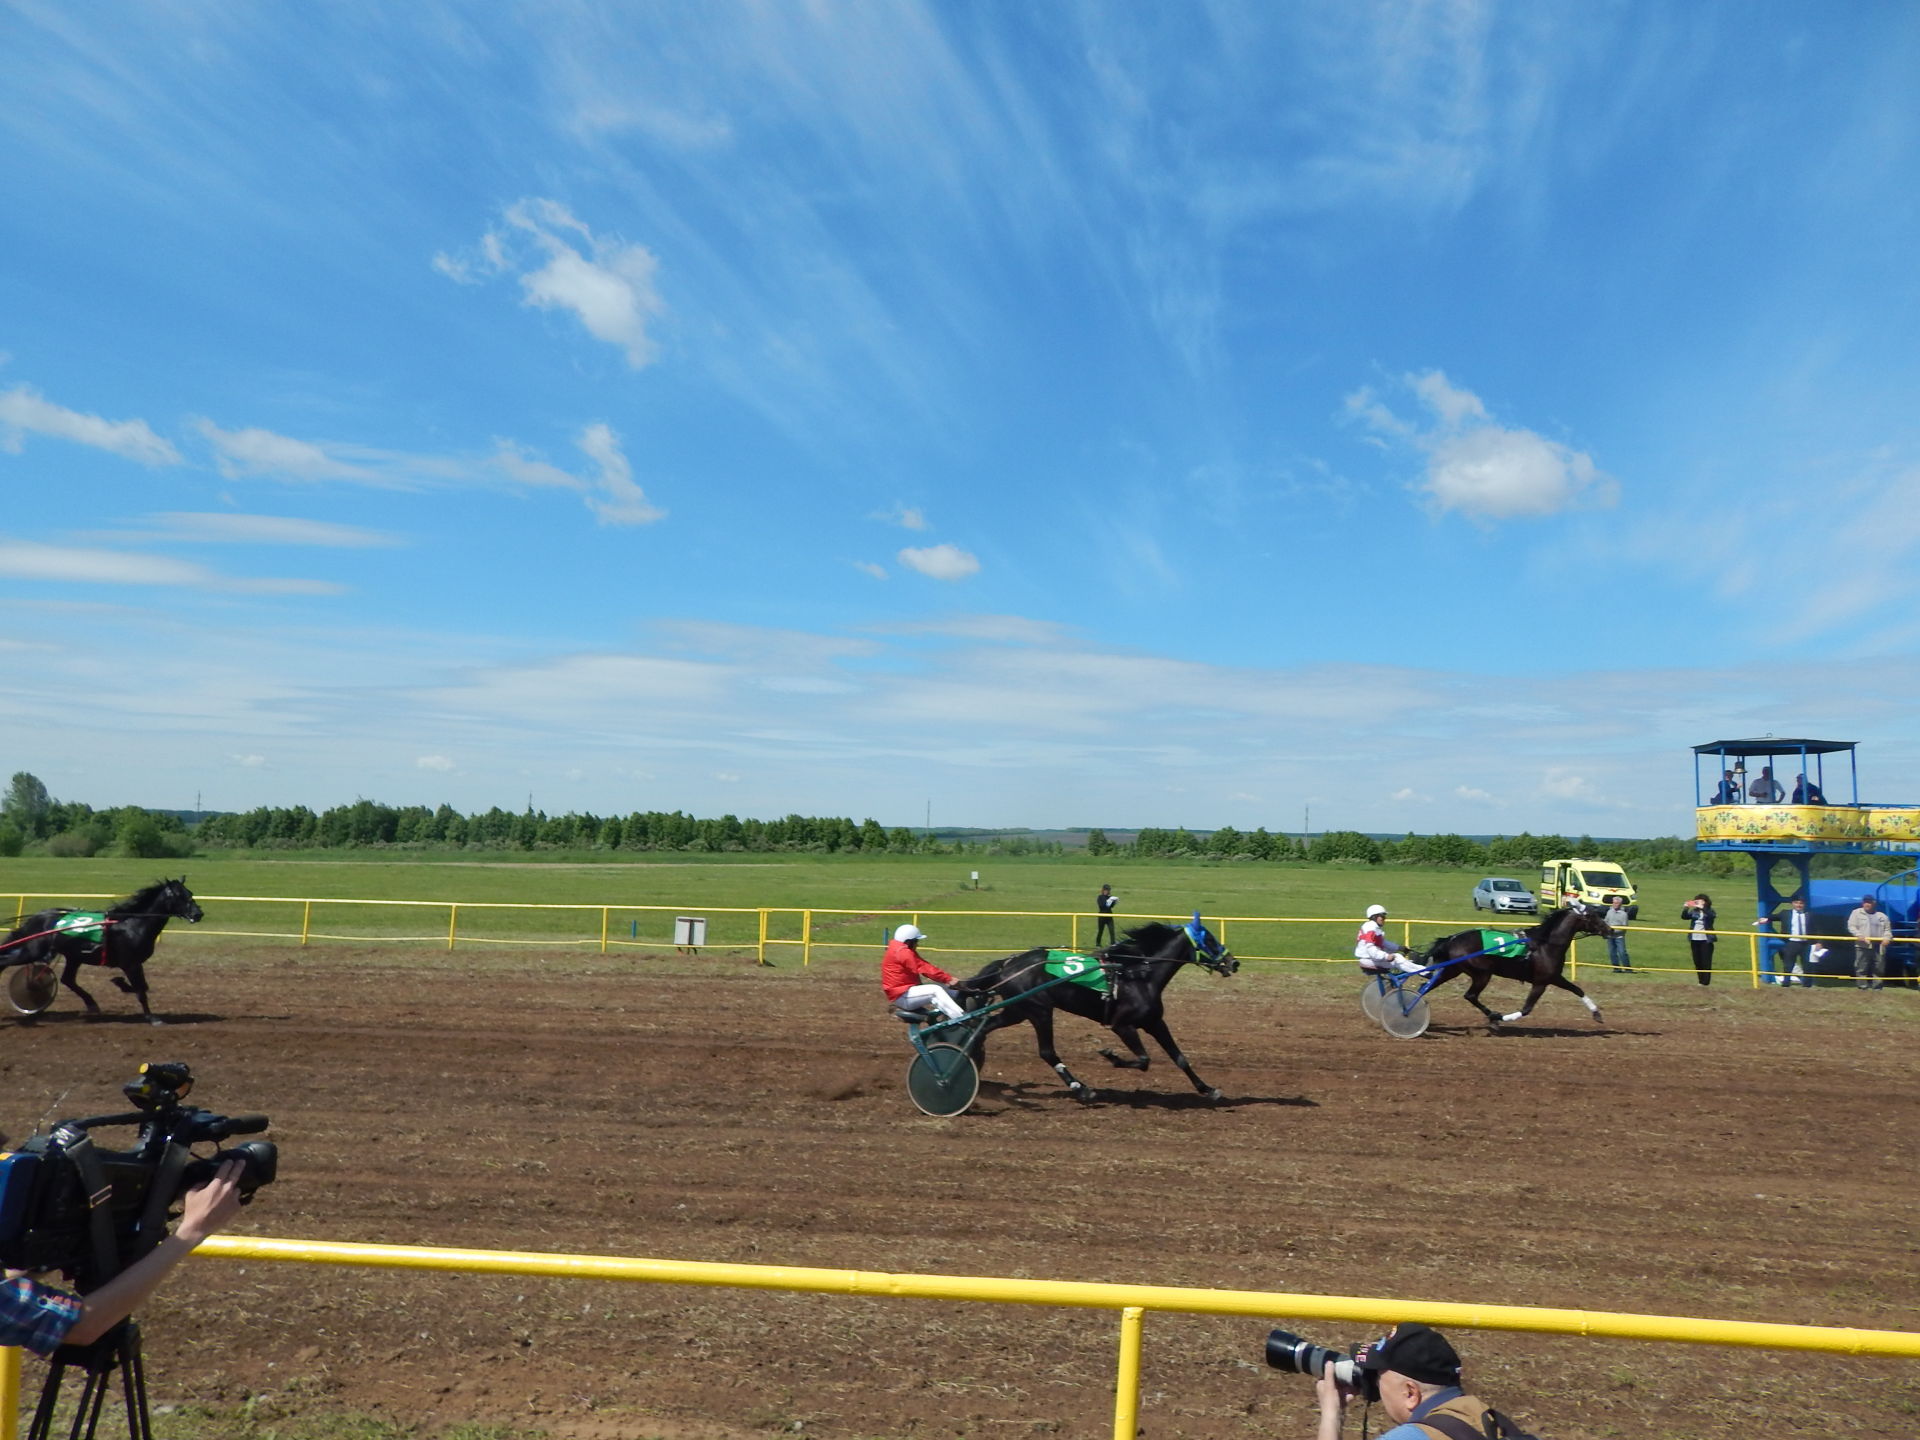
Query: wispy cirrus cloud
81	565
25	411
611	492
221	527
1476	466
605	283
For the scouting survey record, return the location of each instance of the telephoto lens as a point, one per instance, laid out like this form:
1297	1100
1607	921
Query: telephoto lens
1299	1356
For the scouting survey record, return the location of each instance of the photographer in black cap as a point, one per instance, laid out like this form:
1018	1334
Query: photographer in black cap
1418	1374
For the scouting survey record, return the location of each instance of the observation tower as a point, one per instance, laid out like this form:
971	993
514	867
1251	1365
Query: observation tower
1785	801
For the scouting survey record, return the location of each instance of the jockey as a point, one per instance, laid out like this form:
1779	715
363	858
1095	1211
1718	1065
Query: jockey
1375	951
901	967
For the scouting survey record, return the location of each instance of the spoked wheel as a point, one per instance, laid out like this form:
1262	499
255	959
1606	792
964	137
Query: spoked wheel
31	988
1373	999
942	1080
1405	1017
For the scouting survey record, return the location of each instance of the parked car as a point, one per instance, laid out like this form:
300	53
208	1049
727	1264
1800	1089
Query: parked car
1494	893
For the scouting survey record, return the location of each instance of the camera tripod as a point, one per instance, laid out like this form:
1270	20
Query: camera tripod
118	1349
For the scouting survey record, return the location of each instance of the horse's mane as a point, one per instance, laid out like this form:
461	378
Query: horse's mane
1151	938
140	899
1544	926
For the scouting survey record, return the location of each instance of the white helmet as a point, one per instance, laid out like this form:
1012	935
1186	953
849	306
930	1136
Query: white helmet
1373	911
909	932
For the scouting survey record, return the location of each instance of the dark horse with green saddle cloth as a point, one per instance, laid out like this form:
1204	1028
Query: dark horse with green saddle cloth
1119	987
121	937
1535	957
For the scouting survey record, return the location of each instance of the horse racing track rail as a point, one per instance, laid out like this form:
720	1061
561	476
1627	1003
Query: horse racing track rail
1132	1302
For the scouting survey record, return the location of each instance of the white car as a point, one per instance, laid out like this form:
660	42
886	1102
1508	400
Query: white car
1497	894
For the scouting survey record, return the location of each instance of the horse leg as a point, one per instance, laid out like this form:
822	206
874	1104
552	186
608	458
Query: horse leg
1565	984
1479	983
1043	1036
1130	1037
1157	1027
136	985
68	972
1533	999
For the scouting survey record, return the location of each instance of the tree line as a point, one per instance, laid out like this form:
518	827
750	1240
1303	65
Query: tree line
32	818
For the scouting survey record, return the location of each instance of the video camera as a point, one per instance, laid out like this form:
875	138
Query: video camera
66	1204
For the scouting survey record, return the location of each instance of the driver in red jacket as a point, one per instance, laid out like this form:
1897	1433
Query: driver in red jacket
902	970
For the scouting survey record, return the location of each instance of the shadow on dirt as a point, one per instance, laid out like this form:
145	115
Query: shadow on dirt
1038	1095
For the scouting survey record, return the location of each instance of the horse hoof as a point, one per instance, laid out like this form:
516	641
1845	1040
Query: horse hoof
1215	1095
155	1020
1083	1094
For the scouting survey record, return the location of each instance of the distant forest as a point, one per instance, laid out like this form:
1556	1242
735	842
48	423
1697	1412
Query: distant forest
31	820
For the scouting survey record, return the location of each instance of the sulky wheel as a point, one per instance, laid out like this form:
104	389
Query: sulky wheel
943	1080
1405	1017
31	988
1372	997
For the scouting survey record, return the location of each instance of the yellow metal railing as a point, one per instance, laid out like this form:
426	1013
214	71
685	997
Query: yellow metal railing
1131	1301
767	929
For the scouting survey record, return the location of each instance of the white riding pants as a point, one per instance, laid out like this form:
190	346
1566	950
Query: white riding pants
930	997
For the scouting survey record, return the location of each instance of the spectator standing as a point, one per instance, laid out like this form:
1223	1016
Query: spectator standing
1871	930
1104	903
1794	926
1765	790
1698	913
1618	915
1729	791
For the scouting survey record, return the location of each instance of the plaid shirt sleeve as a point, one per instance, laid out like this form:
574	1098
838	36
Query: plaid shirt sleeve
33	1316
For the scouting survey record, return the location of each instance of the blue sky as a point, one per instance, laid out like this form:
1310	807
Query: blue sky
1437	415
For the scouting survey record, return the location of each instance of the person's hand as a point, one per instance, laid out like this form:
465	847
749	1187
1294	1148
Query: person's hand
1333	1395
211	1207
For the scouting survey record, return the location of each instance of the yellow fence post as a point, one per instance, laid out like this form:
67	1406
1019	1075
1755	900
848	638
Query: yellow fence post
1753	958
604	917
1073	943
1126	1389
453	923
760	953
9	1393
306	922
806	937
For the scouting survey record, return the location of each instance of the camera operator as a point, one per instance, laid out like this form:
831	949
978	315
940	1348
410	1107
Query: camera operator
42	1319
1418	1374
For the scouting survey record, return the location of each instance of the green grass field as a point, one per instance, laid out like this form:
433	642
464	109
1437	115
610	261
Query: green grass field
1272	912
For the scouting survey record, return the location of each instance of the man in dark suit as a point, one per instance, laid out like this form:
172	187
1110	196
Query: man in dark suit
1805	792
1104	903
1794	926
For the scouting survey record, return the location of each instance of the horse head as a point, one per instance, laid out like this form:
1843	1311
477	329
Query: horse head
1209	953
175	899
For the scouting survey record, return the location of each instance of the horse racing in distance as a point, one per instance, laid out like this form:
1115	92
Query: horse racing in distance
121	937
1536	957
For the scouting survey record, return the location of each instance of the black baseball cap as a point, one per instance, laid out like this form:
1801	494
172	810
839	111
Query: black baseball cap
1416	1351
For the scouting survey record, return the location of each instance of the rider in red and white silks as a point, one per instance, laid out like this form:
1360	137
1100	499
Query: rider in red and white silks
1375	951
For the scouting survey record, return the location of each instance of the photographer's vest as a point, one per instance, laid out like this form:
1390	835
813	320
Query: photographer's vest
1467	1418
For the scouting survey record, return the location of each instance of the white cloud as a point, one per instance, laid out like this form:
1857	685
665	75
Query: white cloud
434	762
907	517
604	283
68	564
249	762
1468	792
867	567
611	493
222	527
1407	793
253	451
940	562
1481	469
23	411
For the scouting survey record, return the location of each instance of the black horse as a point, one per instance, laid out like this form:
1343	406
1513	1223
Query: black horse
121	939
1137	971
1540	965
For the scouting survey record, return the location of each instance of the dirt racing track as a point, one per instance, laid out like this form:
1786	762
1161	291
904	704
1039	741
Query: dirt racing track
1724	1152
